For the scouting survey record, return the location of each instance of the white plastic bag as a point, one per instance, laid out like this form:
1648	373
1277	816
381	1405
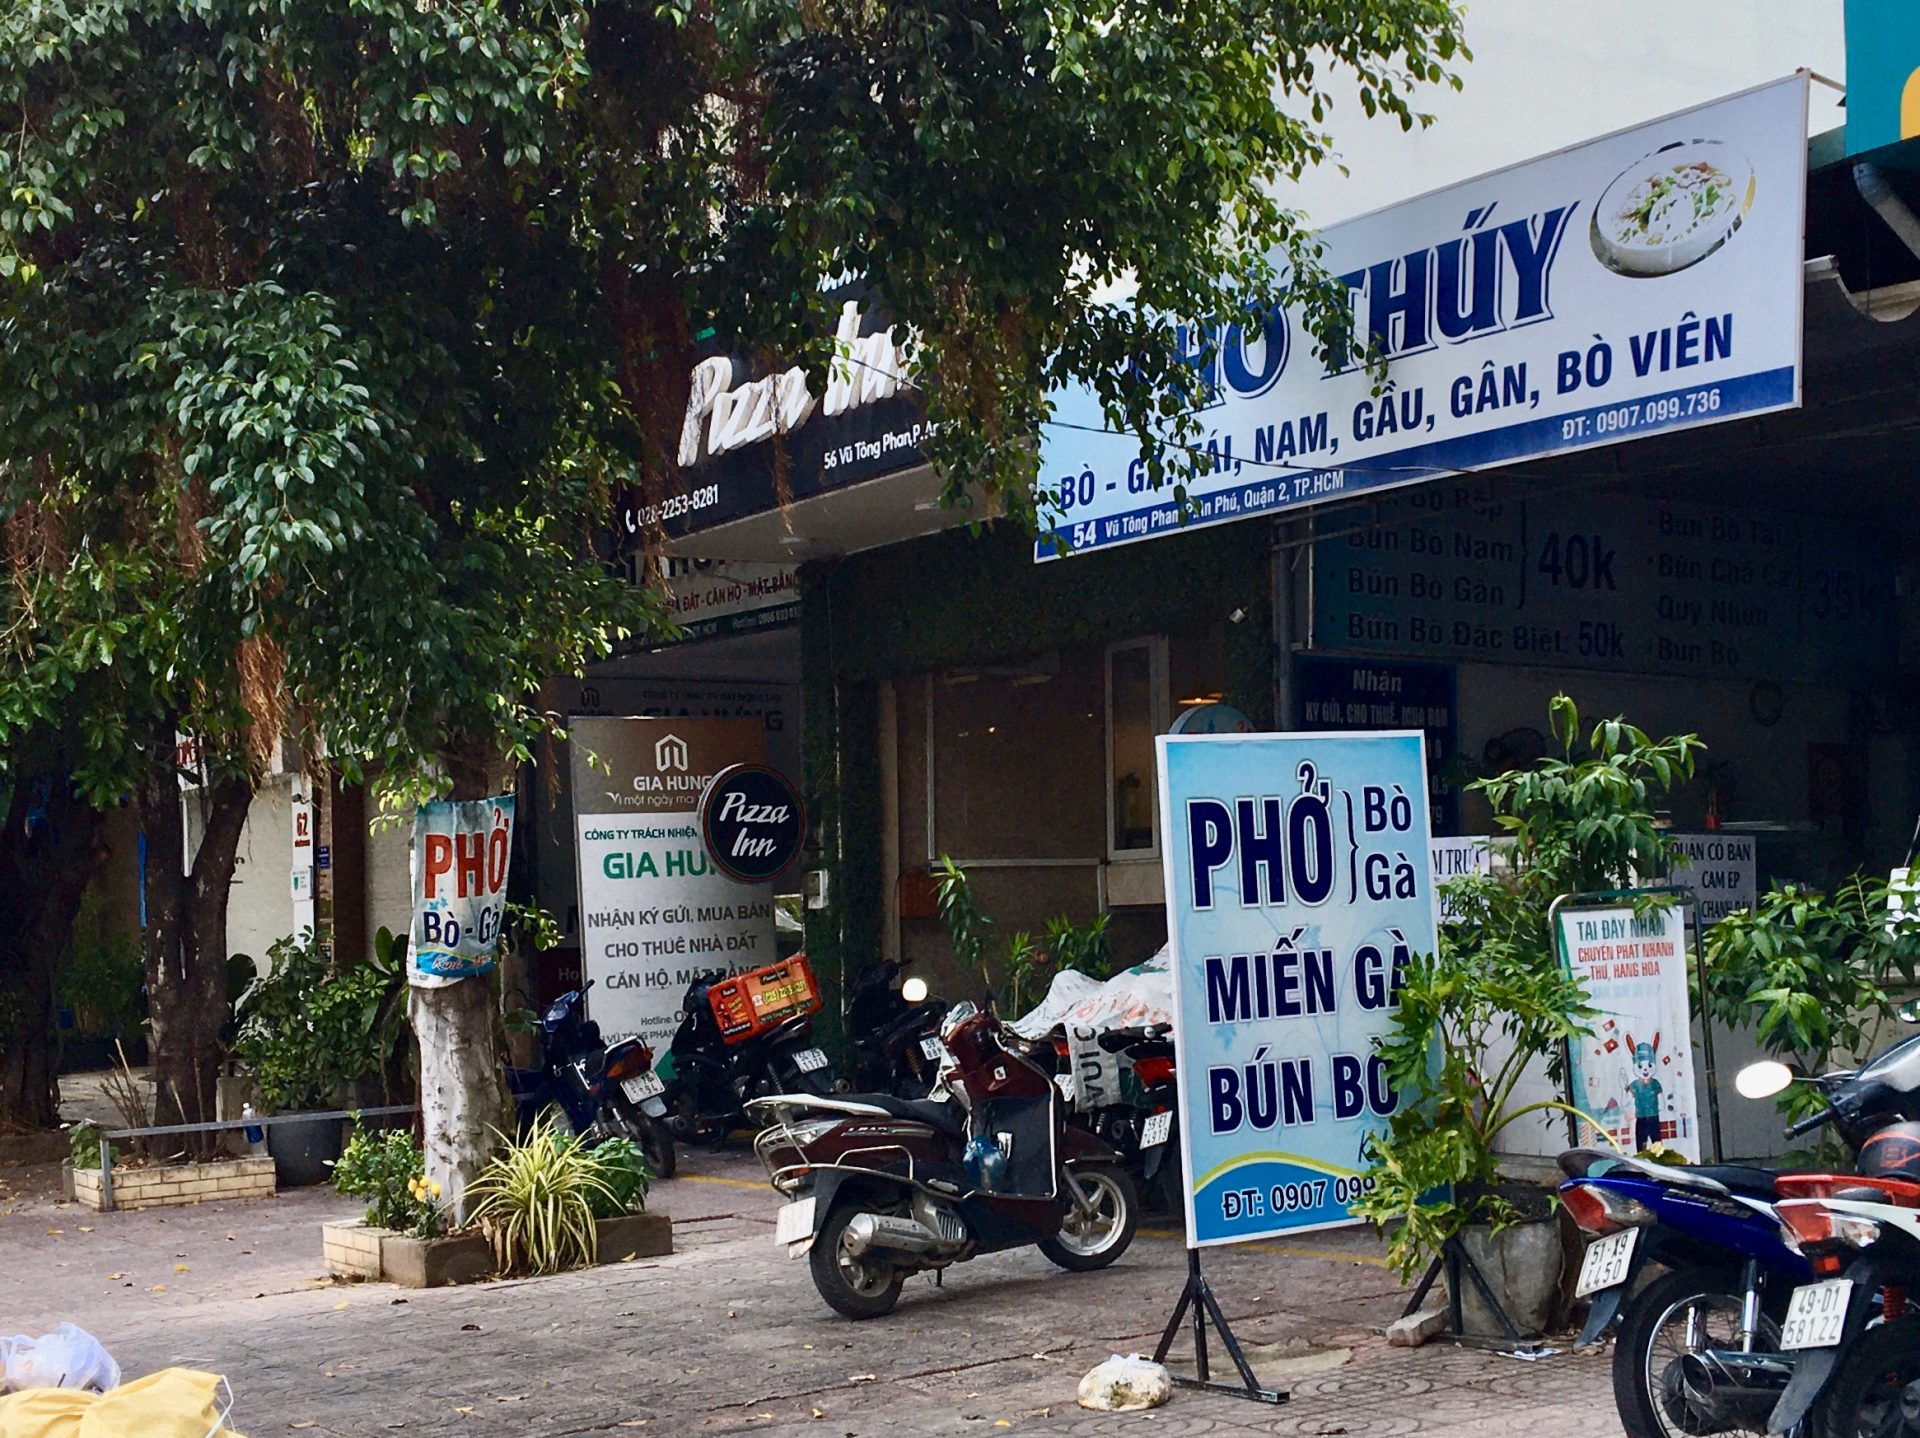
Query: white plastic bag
1125	1385
68	1357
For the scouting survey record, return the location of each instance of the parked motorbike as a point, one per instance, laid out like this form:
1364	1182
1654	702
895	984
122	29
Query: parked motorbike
884	1187
711	1078
1144	1130
603	1091
1698	1350
1855	1330
896	1032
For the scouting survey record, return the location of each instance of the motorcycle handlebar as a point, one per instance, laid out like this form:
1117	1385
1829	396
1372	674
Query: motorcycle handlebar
1808	1125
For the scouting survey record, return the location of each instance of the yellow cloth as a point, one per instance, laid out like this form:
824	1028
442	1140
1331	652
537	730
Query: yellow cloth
173	1403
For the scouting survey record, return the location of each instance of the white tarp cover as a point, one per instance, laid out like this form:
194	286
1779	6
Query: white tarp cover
1087	1008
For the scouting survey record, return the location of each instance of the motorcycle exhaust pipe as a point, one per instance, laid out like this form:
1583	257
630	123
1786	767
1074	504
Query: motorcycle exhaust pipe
868	1231
1722	1383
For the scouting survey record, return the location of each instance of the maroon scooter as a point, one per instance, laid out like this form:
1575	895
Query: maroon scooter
885	1187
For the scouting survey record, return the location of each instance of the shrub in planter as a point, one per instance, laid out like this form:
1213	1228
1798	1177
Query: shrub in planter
1579	822
536	1200
389	1171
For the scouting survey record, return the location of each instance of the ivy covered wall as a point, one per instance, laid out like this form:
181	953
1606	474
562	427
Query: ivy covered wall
960	598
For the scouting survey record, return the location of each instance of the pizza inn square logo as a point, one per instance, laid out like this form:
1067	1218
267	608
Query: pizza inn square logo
670	753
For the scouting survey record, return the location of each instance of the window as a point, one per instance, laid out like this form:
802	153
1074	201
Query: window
1015	760
1136	712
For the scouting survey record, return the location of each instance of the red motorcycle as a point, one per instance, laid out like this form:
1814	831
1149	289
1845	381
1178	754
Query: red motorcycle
885	1187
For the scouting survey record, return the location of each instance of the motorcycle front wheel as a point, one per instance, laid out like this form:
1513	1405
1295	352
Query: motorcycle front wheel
1097	1230
1683	1312
1875	1390
857	1285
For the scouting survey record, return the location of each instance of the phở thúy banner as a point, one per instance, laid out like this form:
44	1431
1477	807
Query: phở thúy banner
1643	282
1298	889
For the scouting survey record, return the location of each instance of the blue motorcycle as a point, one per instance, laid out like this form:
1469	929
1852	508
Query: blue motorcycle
605	1091
1699	1347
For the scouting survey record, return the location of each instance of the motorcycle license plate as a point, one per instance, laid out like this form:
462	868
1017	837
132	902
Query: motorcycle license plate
932	1048
1606	1263
642	1087
807	1060
1155	1130
1817	1315
794	1225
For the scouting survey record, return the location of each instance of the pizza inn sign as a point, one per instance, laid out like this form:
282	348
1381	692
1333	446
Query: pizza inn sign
724	416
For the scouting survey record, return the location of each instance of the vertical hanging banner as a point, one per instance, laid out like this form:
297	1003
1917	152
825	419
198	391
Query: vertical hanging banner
655	909
1298	889
461	852
1634	1073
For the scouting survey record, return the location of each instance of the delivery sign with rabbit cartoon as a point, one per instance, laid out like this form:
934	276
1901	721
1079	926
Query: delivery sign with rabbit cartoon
1633	1075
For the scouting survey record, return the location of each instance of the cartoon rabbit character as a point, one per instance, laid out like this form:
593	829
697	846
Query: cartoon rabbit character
1645	1090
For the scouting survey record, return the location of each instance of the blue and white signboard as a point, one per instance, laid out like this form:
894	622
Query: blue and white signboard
1645	282
1298	889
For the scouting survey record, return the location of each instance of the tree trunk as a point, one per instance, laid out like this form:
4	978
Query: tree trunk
47	867
462	1101
186	948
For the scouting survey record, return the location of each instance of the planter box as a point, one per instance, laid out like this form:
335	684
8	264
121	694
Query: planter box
351	1248
356	1250
435	1262
178	1183
635	1235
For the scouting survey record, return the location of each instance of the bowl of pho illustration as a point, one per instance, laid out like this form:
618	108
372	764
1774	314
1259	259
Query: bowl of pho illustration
1672	209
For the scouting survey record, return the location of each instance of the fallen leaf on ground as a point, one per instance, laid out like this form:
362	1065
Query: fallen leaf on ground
158	1288
85	1229
179	1268
340	1305
510	1398
860	1377
302	1423
630	1257
469	1328
55	1232
1001	1423
115	1277
467	1409
819	1412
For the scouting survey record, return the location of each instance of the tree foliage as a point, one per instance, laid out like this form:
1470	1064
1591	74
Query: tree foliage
402	293
1818	975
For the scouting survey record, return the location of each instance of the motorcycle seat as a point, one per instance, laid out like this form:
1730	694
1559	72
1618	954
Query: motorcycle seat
946	1117
1739	1178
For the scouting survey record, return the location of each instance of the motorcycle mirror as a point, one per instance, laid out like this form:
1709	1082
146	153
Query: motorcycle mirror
914	990
1763	1079
1910	1012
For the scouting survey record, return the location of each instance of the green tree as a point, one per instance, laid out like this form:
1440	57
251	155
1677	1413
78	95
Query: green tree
406	293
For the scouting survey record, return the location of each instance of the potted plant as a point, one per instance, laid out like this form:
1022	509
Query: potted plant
1496	998
308	1033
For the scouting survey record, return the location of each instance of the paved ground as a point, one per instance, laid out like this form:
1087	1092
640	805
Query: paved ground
727	1336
